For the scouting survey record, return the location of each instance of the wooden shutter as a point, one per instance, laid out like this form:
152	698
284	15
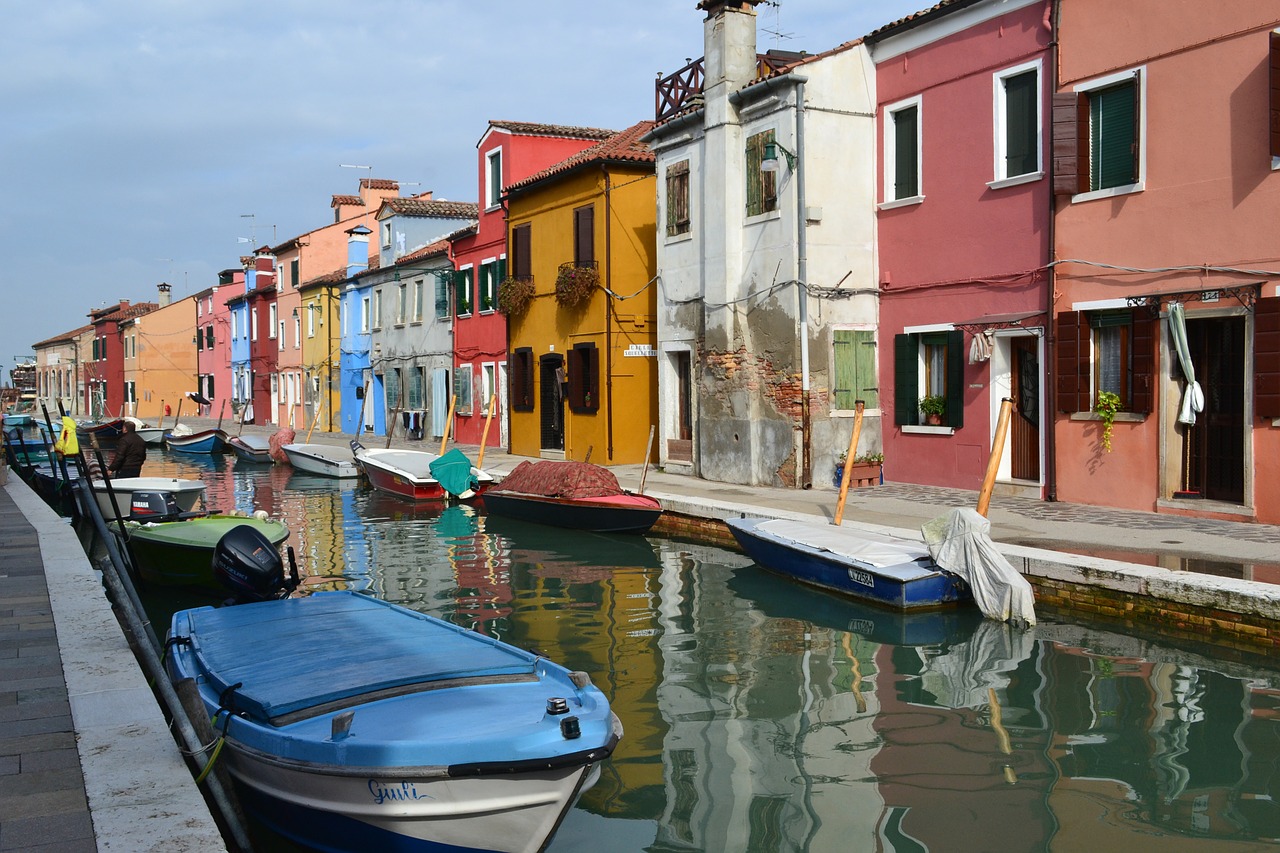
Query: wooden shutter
521	264
1143	341
955	379
677	198
522	380
1021	95
1072	365
906	171
584	245
1275	94
755	177
1266	357
906	380
1069	166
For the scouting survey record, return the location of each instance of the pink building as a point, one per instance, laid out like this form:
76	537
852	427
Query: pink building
963	203
508	152
213	341
1167	191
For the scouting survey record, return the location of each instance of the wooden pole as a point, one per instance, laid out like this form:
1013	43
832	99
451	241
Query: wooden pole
316	419
243	411
644	472
360	419
161	426
997	451
448	422
484	437
849	456
391	427
222	412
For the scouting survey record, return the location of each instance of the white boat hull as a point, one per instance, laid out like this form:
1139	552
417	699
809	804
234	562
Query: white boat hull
407	809
186	492
323	459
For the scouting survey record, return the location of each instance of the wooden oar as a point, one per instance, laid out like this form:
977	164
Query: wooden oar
484	437
316	419
997	451
849	456
644	472
448	422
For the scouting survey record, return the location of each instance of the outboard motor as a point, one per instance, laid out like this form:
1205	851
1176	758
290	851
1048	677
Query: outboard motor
247	564
154	507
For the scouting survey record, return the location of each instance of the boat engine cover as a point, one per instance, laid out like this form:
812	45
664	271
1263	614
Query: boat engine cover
247	564
154	506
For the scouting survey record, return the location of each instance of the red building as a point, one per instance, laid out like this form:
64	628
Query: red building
104	371
508	152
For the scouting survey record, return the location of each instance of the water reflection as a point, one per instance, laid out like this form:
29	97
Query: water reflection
763	716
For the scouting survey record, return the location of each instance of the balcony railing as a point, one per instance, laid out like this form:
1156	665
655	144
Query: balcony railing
677	92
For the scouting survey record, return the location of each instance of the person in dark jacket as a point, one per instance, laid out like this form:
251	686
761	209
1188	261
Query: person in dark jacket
131	452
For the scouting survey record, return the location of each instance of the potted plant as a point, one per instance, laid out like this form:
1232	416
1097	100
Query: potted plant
574	284
1105	408
514	296
933	407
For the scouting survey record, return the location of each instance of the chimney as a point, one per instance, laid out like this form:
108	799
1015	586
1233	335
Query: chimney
729	43
357	250
164	297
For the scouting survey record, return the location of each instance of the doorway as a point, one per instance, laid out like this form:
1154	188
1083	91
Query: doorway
551	382
1213	457
1024	426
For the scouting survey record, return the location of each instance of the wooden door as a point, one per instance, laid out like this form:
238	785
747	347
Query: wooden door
1024	427
1215	462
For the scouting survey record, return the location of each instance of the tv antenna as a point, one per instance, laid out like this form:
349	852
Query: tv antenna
777	32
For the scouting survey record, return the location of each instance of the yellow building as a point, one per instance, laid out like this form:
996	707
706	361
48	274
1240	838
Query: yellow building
160	360
321	338
581	305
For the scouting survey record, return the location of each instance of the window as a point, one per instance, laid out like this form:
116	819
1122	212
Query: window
522	380
488	384
130	391
235	325
208	338
281	336
584	378
928	363
1097	131
1017	132
312	310
902	137
393	390
402	298
366	307
463	291
417	383
417	301
762	186
1105	350
491	274
254	326
293	273
442	296
1275	99
493	178
521	257
297	331
386	235
584	236
462	388
376	309
854	360
678	198
271	320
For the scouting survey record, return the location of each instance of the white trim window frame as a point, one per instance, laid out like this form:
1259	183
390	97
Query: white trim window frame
272	314
365	312
1139	77
890	142
1001	125
493	178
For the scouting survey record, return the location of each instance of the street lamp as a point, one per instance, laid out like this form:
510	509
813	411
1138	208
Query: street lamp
769	163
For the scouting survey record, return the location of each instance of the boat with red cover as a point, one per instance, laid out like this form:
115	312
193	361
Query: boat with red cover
577	495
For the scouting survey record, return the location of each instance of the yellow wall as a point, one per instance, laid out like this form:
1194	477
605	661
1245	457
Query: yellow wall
165	366
320	354
625	252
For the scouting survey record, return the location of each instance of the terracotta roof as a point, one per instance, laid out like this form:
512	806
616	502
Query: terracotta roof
129	312
917	18
346	199
380	184
65	336
622	147
428	207
431	250
527	128
331	277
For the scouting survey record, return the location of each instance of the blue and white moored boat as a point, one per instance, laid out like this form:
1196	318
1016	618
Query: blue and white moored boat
893	572
206	441
355	724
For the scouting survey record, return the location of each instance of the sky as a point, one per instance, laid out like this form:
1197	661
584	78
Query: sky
144	141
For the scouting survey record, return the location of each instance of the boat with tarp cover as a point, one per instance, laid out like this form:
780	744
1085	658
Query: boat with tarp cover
577	495
350	723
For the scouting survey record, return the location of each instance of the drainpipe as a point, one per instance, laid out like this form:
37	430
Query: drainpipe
608	311
1052	18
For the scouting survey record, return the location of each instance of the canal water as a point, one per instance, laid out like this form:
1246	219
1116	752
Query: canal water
763	716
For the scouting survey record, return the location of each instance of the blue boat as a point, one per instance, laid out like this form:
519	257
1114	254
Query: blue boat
353	724
207	441
882	569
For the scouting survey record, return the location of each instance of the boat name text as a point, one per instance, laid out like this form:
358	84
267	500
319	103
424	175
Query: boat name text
395	793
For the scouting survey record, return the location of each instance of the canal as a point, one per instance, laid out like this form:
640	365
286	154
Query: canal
763	716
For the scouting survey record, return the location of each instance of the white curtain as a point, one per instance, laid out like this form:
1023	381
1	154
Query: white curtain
1192	396
439	400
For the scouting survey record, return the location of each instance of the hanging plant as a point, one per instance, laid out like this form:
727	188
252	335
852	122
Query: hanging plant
514	296
575	283
1105	408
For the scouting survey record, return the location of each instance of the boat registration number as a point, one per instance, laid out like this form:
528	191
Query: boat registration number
862	577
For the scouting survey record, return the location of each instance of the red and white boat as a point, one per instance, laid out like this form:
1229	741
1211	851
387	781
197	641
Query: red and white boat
407	473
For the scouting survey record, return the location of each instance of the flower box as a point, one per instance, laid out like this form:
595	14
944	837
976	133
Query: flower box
861	474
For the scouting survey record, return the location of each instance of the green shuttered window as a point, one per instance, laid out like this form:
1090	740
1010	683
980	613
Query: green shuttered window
855	369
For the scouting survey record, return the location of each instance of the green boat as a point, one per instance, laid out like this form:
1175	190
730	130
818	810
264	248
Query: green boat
180	553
